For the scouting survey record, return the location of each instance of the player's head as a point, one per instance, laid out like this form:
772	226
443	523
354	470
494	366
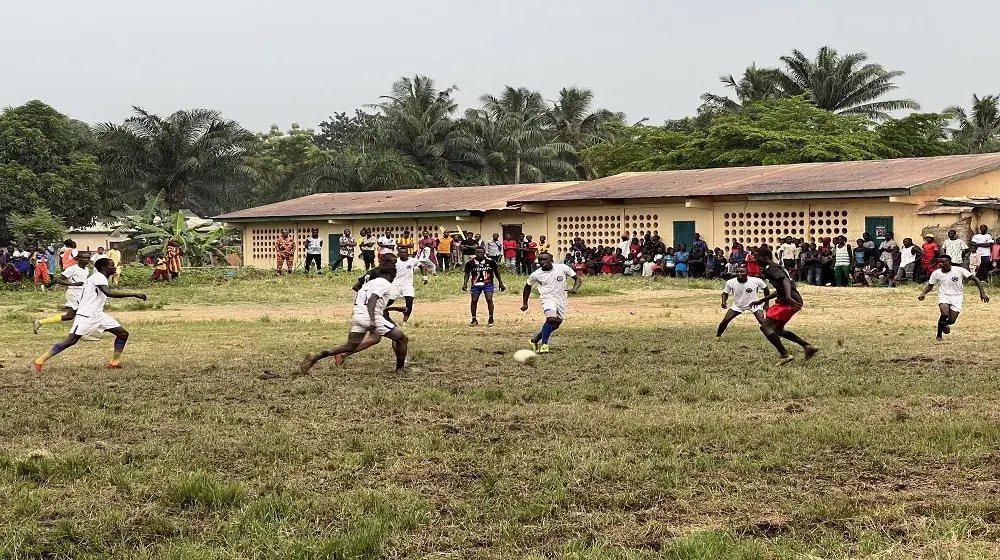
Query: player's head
741	274
763	256
83	258
404	253
545	261
481	253
944	263
104	265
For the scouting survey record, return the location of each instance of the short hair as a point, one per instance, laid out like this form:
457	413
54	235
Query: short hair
103	262
945	256
70	243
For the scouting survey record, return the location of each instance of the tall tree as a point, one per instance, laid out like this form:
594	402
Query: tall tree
281	158
756	84
917	135
418	123
353	170
573	121
46	162
978	129
198	159
341	131
635	148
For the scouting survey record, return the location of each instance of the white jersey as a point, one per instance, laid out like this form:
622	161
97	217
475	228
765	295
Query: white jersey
93	299
982	238
74	293
390	245
552	284
404	273
376	287
745	293
950	284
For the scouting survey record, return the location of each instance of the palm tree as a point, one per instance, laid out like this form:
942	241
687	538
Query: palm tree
513	144
979	132
353	170
756	84
418	124
199	160
571	120
842	83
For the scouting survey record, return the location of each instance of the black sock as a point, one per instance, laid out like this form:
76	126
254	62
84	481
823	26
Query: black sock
400	363
942	323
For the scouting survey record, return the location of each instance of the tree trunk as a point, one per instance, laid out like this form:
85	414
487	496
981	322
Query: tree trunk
517	170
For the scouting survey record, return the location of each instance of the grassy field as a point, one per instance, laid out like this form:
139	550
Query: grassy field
638	437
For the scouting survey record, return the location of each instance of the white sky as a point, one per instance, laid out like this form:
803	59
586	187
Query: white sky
262	62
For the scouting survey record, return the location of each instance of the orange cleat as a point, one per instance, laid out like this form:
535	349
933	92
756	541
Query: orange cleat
115	365
35	367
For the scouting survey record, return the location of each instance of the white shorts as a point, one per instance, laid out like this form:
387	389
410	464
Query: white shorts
954	302
405	291
554	309
427	264
742	310
82	326
73	302
362	324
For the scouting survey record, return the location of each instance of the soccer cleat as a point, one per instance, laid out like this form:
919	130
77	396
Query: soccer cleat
114	364
543	349
785	360
474	322
946	329
490	322
534	346
35	325
35	367
811	351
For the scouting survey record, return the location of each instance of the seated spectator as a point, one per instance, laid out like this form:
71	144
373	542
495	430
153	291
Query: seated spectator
568	261
619	261
648	268
10	274
732	269
753	269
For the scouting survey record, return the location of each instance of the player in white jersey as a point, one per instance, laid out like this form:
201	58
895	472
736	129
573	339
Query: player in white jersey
73	277
551	281
951	289
744	290
424	258
403	284
90	315
368	319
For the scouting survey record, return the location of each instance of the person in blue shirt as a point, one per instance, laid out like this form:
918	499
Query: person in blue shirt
681	261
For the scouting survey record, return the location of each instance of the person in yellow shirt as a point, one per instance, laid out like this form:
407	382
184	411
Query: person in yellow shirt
116	257
405	242
543	245
444	252
160	270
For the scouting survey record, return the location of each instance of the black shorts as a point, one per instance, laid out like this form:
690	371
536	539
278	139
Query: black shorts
790	263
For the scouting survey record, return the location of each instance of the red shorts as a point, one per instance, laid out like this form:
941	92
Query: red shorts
782	312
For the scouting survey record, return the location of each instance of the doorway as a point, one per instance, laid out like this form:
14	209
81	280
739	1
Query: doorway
514	230
334	247
684	233
877	226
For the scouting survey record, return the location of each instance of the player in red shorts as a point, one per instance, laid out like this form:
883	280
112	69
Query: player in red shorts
787	302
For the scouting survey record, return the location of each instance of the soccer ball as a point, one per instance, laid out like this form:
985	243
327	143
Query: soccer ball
526	357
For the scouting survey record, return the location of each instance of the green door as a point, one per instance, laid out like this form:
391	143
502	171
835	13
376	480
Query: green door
684	233
877	226
334	244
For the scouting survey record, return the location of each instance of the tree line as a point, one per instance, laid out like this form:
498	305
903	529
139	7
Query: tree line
831	107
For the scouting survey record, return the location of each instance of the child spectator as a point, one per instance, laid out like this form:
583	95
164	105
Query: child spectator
41	269
682	256
160	271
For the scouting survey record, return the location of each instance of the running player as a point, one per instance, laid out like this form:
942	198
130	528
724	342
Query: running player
424	257
949	280
744	290
368	319
73	277
403	284
482	270
90	316
551	281
787	302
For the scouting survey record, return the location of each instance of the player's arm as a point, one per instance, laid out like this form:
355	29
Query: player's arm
577	282
725	299
927	290
525	293
468	273
116	294
372	304
63	281
767	295
982	291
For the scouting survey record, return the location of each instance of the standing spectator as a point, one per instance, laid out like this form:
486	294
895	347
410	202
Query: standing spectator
608	262
456	250
869	245
812	265
530	254
510	252
842	259
10	274
670	263
41	268
983	243
928	262
4	255
626	244
468	247
406	242
284	249
908	256
543	245
710	264
750	262
67	257
386	244
887	251
160	272
861	256
444	252
479	241
955	248
787	252
368	246
737	255
698	256
314	251
174	253
116	257
826	262
681	258
522	249
577	246
346	253
494	248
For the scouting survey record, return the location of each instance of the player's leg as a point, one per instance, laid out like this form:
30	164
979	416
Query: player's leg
489	304
121	337
354	339
67	316
730	315
944	326
810	350
770	329
58	347
474	306
408	310
400	345
759	315
389	307
370	340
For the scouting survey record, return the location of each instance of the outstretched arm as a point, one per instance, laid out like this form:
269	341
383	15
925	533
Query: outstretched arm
116	294
927	290
577	282
982	291
63	281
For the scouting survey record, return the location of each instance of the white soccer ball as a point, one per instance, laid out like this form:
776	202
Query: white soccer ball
526	357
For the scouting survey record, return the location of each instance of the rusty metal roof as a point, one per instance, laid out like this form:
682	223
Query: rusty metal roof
827	177
409	201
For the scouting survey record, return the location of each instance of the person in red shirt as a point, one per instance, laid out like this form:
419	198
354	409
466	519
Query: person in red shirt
753	269
531	253
510	252
608	262
929	260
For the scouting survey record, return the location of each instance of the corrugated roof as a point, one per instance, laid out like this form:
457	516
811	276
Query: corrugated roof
443	199
778	179
936	209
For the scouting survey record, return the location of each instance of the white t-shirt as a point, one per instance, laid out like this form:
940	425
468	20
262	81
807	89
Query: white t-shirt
626	247
314	246
75	274
552	284
906	255
954	249
425	254
647	268
377	287
386	241
950	284
404	272
92	301
982	238
744	294
787	251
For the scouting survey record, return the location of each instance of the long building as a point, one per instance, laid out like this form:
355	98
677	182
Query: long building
749	205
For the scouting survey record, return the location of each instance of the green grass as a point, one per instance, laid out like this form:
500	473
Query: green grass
884	446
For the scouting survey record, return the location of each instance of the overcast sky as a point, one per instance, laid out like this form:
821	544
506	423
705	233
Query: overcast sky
263	62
